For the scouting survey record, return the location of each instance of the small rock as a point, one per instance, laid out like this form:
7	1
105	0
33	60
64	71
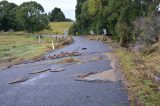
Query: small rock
84	48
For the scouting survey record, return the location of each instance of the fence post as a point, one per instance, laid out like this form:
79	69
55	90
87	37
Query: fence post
52	43
39	39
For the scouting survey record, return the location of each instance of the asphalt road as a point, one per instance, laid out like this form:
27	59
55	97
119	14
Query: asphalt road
62	88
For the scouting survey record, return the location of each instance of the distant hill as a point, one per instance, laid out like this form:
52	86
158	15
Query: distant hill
56	28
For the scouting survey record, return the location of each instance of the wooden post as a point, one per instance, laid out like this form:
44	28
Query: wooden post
39	39
53	44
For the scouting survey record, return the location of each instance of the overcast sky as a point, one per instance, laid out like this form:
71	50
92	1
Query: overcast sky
67	6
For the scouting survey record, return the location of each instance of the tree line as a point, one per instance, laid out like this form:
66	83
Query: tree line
29	16
125	20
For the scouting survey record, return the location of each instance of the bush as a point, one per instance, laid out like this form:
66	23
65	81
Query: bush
147	29
73	29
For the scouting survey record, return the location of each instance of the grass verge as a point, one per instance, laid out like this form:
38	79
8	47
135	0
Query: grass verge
139	72
143	90
16	47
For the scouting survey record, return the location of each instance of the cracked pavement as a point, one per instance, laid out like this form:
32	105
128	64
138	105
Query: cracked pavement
62	88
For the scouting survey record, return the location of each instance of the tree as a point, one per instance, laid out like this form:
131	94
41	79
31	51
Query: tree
56	15
117	16
31	16
94	7
73	29
8	16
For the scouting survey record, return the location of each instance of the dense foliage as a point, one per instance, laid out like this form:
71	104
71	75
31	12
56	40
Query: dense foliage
56	15
29	16
117	16
7	15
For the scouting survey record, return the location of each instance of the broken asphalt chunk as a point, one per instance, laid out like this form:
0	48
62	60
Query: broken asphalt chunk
57	70
40	71
20	79
86	74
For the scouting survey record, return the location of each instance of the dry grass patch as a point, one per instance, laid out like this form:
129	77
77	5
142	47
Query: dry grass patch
96	58
68	60
99	38
142	88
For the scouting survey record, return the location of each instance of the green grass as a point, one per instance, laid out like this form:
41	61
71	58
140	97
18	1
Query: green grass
56	28
16	47
24	46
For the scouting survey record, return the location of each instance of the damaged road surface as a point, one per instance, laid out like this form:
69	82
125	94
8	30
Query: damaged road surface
85	75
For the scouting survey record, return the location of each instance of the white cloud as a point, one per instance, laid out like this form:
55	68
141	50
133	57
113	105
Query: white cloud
67	6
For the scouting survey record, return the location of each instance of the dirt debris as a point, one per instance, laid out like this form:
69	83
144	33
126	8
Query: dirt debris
110	75
95	76
62	55
96	58
52	57
68	60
